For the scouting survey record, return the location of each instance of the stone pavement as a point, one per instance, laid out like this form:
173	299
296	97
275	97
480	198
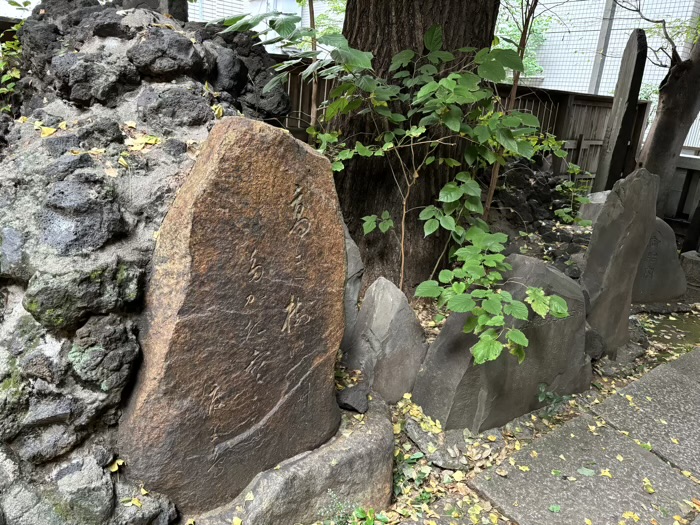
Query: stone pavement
636	459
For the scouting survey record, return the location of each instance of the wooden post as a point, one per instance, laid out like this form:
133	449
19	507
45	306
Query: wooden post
601	51
640	124
618	132
561	126
692	237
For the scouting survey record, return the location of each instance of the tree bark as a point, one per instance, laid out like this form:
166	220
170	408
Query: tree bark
367	186
679	105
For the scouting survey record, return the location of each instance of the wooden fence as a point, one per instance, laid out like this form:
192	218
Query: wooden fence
577	119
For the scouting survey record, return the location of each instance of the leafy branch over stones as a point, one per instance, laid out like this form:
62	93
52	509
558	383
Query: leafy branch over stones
440	107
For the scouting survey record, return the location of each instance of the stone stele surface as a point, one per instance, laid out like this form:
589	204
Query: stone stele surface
244	317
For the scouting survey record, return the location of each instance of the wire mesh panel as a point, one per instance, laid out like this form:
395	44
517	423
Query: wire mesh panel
576	39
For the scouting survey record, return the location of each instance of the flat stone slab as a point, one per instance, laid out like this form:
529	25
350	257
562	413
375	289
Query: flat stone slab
661	409
548	483
688	365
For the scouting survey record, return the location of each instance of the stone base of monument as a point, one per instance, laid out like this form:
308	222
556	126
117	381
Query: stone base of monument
690	262
354	469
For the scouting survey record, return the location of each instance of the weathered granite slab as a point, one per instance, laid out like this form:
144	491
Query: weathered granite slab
660	277
661	409
550	489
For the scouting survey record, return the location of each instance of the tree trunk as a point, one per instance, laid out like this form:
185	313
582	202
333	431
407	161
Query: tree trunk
367	186
679	105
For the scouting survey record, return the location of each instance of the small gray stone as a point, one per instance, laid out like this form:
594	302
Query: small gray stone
103	353
354	467
595	347
156	509
24	506
353	284
354	398
44	412
164	54
58	145
660	277
11	250
387	343
176	107
79	217
46	443
620	236
62	302
85	490
590	210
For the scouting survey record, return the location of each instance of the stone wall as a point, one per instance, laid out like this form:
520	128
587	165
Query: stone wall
115	106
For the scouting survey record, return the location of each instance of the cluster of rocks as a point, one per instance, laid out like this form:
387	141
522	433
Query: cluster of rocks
526	206
115	106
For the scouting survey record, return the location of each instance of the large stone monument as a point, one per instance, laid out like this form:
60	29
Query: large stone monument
660	277
620	237
460	394
244	319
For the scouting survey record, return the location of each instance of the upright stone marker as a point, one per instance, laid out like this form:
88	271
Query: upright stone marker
460	394
620	237
660	277
618	133
244	318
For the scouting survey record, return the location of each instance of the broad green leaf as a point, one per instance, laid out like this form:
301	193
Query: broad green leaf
528	119
447	222
538	301
519	352
492	71
428	213
586	472
334	40
431	226
453	120
426	90
487	349
517	309
558	307
353	59
450	193
492	305
461	303
433	38
445	276
402	59
385	225
363	150
517	337
428	289
508	58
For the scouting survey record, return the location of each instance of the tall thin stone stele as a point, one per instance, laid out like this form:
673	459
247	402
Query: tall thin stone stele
618	133
244	317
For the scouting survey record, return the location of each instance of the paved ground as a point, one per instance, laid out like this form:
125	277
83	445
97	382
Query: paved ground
635	460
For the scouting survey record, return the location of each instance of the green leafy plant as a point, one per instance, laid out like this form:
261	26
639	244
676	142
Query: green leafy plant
576	194
367	517
438	108
552	400
10	61
371	222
